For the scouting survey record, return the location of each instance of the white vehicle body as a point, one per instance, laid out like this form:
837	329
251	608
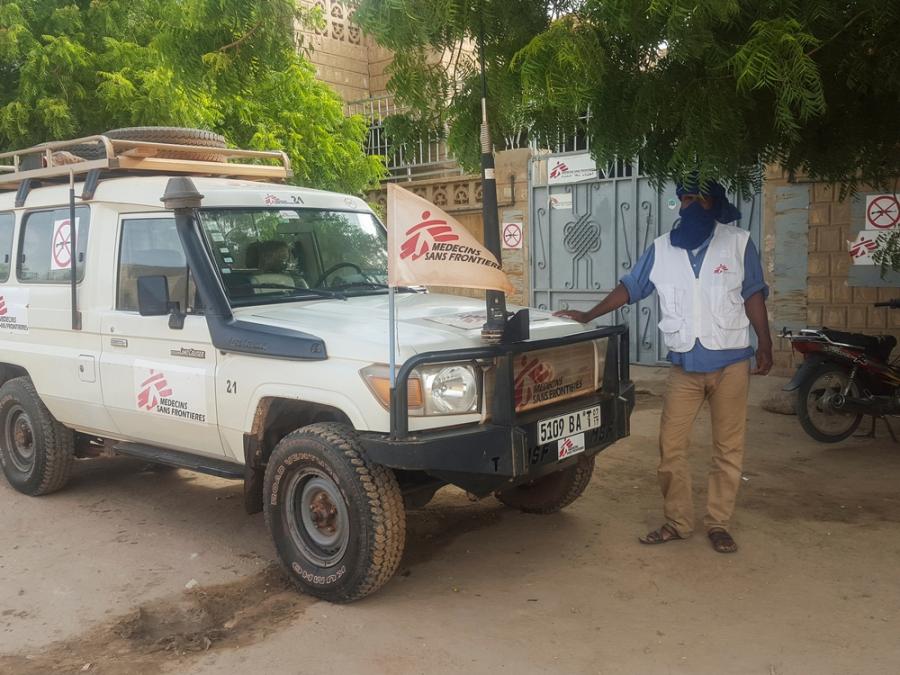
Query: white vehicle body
89	378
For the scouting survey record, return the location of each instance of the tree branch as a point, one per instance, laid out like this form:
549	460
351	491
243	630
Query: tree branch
833	37
246	36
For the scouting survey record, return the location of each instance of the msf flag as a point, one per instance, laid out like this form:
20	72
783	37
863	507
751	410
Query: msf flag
427	247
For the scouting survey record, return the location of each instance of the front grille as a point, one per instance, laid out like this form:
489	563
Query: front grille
549	376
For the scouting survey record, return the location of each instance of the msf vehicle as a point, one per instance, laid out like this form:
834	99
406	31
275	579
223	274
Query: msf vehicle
168	298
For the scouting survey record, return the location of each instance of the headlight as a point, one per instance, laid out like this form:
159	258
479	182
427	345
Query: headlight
452	390
443	389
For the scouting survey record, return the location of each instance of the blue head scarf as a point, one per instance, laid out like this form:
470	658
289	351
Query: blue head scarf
697	224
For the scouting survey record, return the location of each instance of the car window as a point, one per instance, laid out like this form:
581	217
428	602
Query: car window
7	223
268	254
45	251
151	247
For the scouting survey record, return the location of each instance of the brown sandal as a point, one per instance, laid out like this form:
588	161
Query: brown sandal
722	542
663	535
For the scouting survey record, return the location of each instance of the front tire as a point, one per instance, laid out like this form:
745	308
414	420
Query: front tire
36	451
337	520
815	415
551	493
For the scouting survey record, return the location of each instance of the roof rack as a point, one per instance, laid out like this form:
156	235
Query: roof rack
57	161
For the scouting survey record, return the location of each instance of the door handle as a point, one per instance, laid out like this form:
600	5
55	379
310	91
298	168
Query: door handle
118	342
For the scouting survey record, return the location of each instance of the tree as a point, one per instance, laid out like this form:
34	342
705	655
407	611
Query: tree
71	68
716	86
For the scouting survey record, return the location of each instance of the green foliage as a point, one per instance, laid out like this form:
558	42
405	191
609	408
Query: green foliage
887	255
719	86
76	67
435	71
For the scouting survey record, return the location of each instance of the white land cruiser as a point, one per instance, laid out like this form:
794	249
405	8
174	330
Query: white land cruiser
238	326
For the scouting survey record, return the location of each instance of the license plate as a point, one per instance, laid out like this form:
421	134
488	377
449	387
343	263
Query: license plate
553	429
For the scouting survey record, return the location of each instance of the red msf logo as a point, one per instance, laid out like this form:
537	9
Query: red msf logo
858	250
2	306
417	245
720	269
533	372
559	169
567	446
152	389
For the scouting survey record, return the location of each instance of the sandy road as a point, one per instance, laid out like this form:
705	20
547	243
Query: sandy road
94	577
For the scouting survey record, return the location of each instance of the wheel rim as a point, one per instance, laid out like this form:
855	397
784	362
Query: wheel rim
819	403
317	515
20	438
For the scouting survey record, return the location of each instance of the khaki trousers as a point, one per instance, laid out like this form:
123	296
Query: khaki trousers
726	391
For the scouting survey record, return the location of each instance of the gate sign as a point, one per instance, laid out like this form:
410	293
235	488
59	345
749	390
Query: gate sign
512	235
882	211
61	245
571	169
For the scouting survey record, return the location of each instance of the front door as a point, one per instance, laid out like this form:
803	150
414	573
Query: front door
158	381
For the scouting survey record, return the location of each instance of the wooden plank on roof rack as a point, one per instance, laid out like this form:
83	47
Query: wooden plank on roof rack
194	166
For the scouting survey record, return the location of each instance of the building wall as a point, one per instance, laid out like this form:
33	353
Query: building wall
807	227
350	61
345	58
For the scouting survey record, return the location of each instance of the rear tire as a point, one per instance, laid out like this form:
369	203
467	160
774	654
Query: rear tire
550	493
812	409
36	451
337	520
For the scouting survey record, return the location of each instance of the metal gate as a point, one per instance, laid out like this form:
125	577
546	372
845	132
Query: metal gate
585	236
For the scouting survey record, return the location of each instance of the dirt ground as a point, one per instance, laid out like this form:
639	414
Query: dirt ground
93	579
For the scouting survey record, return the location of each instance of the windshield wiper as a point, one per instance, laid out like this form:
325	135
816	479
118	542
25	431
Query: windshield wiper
320	292
374	284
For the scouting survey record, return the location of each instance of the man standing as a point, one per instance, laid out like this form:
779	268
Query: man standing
709	279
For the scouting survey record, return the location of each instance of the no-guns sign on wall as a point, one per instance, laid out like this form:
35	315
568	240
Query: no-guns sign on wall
882	214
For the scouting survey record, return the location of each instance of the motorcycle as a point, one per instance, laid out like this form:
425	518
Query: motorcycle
843	377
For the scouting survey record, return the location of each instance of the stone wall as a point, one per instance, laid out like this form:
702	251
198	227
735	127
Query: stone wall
350	61
815	238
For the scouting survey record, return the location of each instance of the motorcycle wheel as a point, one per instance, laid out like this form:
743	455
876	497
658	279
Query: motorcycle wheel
816	416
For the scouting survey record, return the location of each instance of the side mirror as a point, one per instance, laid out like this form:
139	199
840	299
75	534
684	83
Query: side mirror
153	295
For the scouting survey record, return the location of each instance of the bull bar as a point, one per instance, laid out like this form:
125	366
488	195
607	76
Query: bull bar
481	456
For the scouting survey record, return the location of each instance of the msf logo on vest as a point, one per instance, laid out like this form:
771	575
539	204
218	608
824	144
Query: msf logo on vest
421	236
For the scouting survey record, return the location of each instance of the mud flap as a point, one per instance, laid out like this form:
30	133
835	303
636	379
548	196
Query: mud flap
253	488
808	365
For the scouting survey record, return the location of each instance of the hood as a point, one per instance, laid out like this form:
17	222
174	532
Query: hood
357	328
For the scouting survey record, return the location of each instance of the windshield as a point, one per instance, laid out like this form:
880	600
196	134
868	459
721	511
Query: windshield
273	255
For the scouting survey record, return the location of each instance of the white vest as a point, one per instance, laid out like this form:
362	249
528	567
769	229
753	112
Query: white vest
709	308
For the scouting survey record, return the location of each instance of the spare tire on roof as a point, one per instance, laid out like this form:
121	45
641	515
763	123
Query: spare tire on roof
174	135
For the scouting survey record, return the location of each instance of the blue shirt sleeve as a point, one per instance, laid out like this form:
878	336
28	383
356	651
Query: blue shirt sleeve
754	282
637	281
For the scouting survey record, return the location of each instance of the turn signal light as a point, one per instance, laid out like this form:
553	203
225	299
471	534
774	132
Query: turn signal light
380	384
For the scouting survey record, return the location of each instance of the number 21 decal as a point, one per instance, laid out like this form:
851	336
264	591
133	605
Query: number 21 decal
231	386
